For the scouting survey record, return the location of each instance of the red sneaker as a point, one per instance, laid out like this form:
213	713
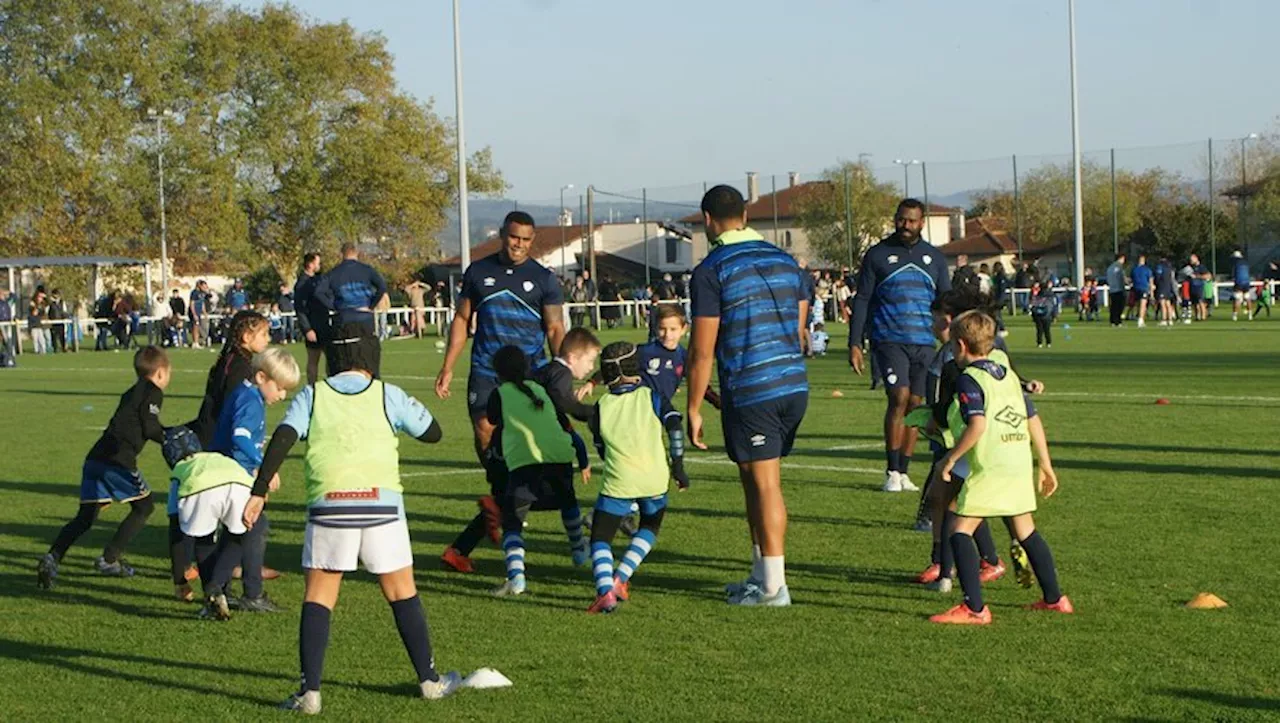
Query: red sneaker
492	518
268	573
962	615
991	573
191	573
1062	606
456	560
622	589
604	604
930	574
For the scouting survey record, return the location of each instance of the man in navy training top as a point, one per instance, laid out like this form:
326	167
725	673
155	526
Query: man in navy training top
897	283
749	313
237	297
350	290
516	301
313	317
1142	276
1241	285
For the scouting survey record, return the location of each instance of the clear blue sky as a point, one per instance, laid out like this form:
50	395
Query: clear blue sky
663	93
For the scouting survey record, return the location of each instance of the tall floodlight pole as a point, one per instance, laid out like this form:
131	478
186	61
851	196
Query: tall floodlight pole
464	225
1078	203
564	259
1213	224
160	117
906	179
1244	193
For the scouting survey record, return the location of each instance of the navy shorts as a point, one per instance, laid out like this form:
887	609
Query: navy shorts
540	487
105	482
478	390
762	431
902	365
649	506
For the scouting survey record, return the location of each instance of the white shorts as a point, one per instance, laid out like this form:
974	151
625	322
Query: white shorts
199	514
381	549
1237	295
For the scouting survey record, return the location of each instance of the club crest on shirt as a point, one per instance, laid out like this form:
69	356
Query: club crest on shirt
528	286
489	281
927	259
893	259
654	365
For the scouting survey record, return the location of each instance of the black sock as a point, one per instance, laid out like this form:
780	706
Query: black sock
935	557
922	509
253	556
967	570
947	560
904	461
224	561
313	638
72	531
139	511
179	552
470	536
893	460
986	544
1042	564
411	621
207	557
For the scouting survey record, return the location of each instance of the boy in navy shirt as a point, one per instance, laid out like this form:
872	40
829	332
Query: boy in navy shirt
662	361
110	472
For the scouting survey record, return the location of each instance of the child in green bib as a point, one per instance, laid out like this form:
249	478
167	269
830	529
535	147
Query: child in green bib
628	425
539	447
996	428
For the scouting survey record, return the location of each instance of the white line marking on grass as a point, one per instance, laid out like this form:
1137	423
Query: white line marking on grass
442	472
793	465
860	445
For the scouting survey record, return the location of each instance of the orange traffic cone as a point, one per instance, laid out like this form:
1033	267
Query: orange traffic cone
1206	601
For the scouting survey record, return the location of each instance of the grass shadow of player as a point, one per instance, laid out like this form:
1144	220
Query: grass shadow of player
86	393
74	660
1224	699
1111	467
1155	448
57	488
72	591
791	517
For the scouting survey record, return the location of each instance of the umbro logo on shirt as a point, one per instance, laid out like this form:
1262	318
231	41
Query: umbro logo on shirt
489	281
1010	416
155	410
893	259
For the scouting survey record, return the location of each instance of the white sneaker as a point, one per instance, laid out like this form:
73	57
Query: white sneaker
447	685
1186	321
892	482
906	484
510	588
942	584
1142	323
755	597
306	703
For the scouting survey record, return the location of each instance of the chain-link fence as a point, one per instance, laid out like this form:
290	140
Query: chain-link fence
1171	200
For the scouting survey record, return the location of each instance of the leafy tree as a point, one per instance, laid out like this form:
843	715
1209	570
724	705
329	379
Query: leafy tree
821	211
286	135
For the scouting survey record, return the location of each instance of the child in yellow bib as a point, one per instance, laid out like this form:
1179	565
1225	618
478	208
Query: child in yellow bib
539	447
996	426
628	425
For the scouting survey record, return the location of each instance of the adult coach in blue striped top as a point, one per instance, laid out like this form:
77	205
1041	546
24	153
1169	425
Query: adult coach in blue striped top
516	301
897	283
350	290
749	311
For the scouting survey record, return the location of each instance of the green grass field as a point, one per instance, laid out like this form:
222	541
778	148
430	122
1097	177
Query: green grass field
1157	504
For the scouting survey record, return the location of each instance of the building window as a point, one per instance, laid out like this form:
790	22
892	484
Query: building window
673	250
786	240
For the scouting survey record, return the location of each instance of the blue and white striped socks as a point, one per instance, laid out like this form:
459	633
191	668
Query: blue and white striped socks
513	548
572	519
641	544
602	566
